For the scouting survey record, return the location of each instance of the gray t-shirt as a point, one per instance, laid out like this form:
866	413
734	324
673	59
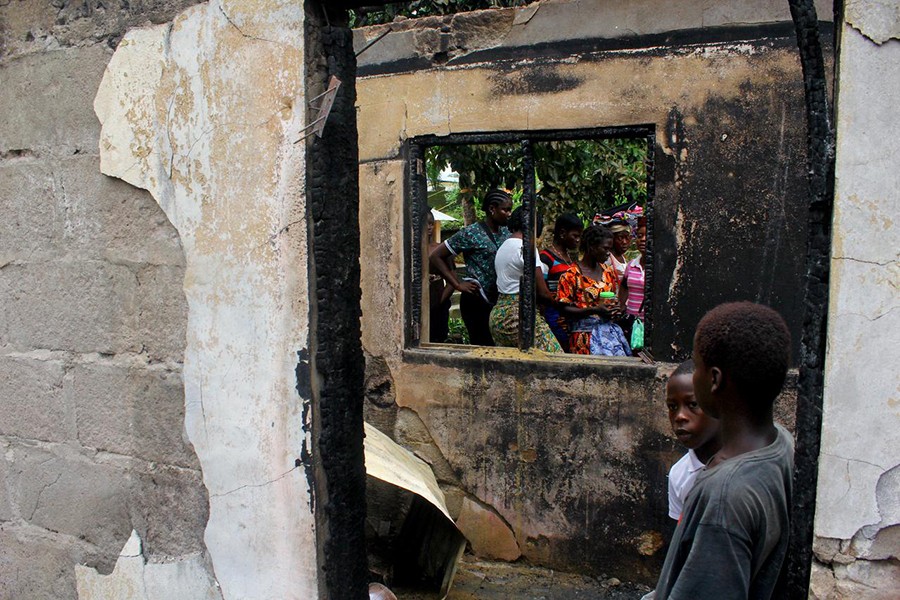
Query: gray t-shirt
733	533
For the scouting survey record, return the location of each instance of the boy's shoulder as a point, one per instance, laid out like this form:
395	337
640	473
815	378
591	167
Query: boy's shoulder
689	463
757	480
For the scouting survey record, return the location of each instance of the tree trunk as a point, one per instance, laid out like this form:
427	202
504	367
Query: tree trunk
466	192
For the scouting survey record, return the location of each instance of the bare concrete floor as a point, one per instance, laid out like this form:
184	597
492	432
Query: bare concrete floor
480	580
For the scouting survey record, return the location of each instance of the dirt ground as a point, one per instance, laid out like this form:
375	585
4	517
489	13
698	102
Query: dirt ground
480	580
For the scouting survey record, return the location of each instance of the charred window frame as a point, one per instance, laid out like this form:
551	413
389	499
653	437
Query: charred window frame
417	207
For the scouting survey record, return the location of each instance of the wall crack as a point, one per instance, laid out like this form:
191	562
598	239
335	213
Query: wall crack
241	31
255	485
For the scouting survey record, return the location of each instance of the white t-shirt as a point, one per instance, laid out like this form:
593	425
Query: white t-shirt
510	264
618	266
681	480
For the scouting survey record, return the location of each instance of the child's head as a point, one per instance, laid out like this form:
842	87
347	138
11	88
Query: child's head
429	224
693	428
741	353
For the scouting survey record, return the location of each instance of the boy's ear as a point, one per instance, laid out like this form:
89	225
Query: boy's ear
715	379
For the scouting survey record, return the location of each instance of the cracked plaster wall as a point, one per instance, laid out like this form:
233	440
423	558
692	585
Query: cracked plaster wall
857	523
203	113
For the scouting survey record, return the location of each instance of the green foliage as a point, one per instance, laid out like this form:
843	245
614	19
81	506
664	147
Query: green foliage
585	176
580	176
480	167
424	8
458	334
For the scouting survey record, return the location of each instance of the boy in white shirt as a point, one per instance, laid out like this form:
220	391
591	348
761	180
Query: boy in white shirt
694	429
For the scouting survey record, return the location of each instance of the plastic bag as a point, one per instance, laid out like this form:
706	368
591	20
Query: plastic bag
637	335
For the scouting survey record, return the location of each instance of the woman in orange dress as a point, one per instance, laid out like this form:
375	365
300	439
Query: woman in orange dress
589	314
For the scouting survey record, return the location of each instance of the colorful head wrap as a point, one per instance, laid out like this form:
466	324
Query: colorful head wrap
619	216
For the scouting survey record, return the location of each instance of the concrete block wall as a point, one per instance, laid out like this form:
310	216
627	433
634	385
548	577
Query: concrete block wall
92	320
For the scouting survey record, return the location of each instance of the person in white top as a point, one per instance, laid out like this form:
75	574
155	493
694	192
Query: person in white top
695	429
509	264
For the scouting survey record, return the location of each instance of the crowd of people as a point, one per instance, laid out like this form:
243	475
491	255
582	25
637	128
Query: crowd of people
589	281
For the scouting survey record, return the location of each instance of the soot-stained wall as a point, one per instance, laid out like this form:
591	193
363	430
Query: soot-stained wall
570	455
727	105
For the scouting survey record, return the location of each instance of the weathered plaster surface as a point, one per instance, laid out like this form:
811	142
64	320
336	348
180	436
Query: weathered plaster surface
858	511
878	20
455	37
133	578
203	113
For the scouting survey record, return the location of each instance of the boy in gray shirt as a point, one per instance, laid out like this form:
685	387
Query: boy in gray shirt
733	535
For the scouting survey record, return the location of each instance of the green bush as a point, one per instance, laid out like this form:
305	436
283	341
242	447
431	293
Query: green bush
458	332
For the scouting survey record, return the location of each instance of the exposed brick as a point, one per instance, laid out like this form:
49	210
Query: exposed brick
31	25
6	511
135	412
30	218
81	307
65	492
39	564
108	219
32	404
162	312
169	508
47	99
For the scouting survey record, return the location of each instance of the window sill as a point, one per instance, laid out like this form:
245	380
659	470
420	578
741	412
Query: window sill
514	361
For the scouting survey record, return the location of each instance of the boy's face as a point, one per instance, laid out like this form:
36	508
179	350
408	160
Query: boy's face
691	425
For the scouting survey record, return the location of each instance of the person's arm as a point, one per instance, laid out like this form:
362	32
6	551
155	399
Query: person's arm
544	295
623	290
718	565
438	259
565	296
448	289
675	504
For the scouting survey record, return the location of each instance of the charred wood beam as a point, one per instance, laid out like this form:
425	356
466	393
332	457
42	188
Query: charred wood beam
336	361
811	382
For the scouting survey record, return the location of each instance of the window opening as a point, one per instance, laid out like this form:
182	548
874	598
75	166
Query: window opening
600	176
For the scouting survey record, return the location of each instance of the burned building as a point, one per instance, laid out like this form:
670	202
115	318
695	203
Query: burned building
198	306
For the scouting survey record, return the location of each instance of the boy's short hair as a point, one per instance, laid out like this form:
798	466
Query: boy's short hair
750	343
685	368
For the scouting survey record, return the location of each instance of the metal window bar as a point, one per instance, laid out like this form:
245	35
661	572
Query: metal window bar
418	264
526	281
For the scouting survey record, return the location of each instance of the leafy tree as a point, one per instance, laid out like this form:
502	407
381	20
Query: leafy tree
480	168
580	176
586	176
